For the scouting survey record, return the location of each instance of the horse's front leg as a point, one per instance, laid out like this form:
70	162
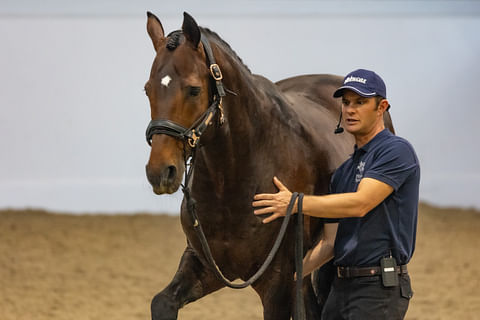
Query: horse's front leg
191	282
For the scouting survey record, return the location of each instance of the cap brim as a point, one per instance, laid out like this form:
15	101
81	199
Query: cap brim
339	92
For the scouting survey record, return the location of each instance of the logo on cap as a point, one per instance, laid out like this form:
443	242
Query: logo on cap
355	79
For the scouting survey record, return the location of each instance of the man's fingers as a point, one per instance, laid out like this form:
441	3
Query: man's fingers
279	184
271	218
262	203
264	196
264	211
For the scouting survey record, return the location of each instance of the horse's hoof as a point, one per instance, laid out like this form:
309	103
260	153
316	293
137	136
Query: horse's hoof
163	308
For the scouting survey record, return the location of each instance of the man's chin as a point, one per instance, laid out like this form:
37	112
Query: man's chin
351	129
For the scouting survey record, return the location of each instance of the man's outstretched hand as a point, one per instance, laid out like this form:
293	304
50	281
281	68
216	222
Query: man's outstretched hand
274	203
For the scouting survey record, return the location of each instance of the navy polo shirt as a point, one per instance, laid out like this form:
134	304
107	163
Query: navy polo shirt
391	226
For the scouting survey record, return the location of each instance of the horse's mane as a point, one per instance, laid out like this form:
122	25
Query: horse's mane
226	45
174	39
283	110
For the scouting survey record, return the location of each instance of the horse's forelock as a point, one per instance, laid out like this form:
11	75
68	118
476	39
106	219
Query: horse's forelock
173	39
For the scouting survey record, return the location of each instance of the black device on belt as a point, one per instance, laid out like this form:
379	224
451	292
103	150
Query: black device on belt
389	272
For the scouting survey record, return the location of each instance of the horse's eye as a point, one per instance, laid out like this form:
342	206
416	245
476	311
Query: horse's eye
194	91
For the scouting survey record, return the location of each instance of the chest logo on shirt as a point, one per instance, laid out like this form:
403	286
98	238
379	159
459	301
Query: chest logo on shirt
360	169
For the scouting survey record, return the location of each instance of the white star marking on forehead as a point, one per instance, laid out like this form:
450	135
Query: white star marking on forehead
166	80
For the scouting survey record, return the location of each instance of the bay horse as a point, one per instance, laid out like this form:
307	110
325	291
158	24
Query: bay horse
251	129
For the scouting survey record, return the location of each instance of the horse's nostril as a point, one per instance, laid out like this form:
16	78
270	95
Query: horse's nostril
172	172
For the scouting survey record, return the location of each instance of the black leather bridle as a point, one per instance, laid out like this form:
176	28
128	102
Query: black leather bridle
192	134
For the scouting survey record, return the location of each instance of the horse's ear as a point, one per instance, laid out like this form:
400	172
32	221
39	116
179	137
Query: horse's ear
190	29
155	30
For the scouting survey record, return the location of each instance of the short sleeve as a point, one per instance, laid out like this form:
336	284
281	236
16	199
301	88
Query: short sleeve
335	179
331	189
393	164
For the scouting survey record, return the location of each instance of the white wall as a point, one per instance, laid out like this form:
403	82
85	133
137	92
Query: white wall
73	112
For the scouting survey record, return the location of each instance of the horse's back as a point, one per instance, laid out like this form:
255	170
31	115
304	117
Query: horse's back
320	88
311	96
316	87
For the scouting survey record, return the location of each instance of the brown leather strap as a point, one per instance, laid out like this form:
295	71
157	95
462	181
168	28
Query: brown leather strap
353	272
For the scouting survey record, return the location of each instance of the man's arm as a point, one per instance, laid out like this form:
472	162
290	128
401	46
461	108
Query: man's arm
323	251
370	193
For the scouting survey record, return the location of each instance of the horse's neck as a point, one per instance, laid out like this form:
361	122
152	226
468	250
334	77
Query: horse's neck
251	115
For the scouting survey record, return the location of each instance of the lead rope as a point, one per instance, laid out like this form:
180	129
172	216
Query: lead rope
191	208
299	306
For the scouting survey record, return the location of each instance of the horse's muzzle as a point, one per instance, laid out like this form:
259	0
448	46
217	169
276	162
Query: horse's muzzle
164	180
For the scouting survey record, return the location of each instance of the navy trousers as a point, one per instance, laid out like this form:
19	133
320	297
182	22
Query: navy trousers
365	298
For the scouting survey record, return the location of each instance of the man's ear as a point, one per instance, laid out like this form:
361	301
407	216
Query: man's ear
383	106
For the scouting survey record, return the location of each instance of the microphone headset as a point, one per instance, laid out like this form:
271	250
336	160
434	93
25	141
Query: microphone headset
339	129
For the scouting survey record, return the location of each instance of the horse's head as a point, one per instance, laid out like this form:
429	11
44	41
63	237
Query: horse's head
178	91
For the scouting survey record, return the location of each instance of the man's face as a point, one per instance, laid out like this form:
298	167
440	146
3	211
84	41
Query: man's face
360	114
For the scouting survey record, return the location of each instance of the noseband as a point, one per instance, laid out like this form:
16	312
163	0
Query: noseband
192	134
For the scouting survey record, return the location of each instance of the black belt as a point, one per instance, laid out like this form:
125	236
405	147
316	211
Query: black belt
353	272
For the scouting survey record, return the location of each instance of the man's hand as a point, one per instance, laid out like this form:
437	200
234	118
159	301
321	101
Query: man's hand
275	203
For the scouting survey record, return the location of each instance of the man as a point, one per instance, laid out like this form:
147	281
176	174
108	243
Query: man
375	193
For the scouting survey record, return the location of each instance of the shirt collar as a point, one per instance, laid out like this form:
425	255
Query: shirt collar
378	138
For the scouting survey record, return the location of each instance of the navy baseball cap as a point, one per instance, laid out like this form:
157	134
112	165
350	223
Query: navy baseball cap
363	82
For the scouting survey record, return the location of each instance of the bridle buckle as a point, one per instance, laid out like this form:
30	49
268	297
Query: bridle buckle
192	141
216	72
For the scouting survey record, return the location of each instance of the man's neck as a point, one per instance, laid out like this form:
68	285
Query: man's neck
363	139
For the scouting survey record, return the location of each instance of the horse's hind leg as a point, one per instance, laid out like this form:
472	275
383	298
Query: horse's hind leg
278	298
276	295
191	282
313	310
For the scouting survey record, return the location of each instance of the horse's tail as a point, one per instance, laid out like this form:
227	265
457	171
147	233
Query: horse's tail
387	119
